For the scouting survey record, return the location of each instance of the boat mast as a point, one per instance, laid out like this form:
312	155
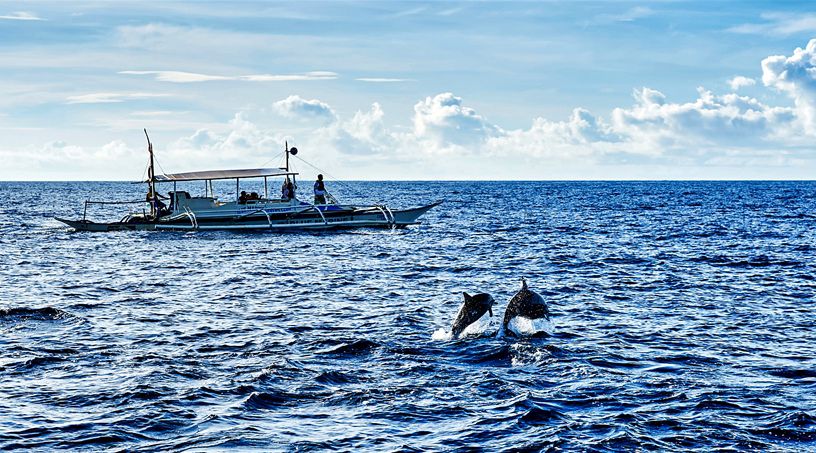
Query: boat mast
287	155
151	176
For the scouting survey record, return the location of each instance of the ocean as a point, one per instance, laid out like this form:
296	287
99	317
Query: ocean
683	319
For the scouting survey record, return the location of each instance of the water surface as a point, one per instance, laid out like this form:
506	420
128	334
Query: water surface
683	317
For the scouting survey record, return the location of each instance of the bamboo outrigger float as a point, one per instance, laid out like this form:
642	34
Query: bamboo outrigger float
207	212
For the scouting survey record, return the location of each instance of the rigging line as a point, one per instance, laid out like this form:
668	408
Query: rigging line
277	156
159	164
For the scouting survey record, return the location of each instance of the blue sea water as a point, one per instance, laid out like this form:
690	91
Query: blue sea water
683	316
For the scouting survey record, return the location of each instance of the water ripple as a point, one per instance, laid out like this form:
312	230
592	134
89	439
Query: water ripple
683	318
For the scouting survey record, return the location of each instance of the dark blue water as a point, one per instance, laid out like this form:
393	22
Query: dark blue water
684	319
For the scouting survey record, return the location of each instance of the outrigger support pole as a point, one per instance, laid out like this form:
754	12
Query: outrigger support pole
151	176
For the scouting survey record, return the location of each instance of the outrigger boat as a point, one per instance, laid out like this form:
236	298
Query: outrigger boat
207	212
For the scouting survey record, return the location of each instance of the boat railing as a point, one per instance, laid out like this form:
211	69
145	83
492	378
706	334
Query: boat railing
95	202
309	207
263	210
192	217
386	211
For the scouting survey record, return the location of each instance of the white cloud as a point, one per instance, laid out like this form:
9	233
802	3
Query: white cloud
409	12
795	76
313	75
740	81
242	142
657	127
580	137
443	121
192	77
712	129
106	98
60	159
296	107
381	80
20	15
630	15
178	76
779	24
365	134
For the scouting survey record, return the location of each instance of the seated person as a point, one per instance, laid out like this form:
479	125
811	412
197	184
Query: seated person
254	196
243	198
155	200
287	190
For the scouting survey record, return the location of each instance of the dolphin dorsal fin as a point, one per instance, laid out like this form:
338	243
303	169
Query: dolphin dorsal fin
523	283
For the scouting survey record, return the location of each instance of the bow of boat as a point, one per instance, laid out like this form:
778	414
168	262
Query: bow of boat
410	216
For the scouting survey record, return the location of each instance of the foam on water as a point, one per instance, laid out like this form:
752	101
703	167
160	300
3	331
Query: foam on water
523	326
478	328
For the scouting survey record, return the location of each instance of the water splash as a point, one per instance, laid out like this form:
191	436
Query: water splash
522	326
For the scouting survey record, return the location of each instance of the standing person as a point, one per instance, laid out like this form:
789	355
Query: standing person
290	188
286	194
319	191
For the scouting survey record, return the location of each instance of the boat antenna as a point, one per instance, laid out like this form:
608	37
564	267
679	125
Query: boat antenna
151	177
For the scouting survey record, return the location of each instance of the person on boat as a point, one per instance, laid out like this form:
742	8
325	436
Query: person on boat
319	191
155	199
243	198
287	190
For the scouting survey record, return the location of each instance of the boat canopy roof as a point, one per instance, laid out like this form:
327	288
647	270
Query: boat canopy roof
222	174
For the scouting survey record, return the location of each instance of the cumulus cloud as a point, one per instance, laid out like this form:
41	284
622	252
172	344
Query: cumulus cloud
20	15
655	126
106	98
365	134
740	81
192	77
240	141
796	77
443	121
296	107
712	128
60	155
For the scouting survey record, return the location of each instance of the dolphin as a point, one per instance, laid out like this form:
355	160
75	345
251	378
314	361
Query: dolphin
525	304
471	311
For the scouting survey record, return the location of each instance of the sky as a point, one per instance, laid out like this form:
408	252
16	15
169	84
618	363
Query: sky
410	90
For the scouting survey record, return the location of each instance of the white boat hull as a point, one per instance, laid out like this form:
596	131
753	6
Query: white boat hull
299	220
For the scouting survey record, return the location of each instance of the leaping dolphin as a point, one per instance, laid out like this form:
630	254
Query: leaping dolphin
471	311
525	304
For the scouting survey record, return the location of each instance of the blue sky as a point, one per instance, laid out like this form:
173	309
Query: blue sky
411	90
